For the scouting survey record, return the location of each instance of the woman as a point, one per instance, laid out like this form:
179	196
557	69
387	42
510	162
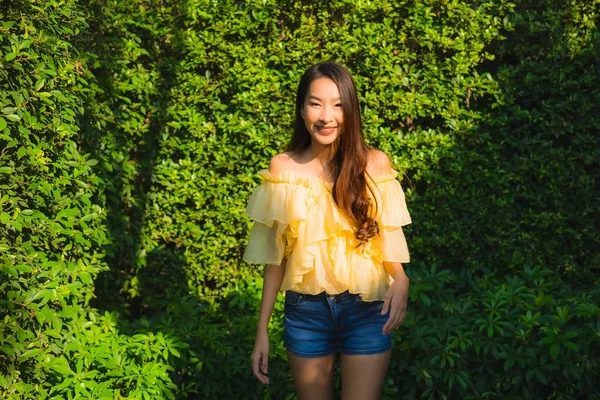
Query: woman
328	218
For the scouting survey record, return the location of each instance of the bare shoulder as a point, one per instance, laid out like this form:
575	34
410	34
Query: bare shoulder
279	163
379	163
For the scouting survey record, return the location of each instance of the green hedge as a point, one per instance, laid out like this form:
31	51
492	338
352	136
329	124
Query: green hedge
129	155
53	222
51	227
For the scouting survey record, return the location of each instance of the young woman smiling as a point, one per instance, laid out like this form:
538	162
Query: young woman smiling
328	225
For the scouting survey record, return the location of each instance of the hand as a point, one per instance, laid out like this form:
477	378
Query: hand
260	357
395	301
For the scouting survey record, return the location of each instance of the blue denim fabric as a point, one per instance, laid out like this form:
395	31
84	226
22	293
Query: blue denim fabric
319	325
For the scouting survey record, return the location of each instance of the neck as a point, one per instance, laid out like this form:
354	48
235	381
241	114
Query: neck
323	153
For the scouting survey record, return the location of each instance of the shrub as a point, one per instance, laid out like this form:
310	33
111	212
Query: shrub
131	134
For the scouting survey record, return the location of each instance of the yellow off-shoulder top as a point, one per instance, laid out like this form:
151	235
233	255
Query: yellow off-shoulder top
296	218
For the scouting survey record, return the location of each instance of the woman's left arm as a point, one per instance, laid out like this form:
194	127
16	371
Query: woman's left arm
396	298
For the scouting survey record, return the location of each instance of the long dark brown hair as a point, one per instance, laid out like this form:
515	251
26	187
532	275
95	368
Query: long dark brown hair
347	163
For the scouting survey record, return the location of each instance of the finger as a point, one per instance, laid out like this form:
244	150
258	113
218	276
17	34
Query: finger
390	321
400	317
264	368
255	369
396	317
386	304
264	365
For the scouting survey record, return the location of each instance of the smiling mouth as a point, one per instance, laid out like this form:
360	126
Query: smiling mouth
327	130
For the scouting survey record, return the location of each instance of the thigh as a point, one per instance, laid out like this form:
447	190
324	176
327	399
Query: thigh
363	375
313	377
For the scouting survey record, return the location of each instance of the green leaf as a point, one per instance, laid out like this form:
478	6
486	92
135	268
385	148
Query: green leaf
425	299
23	268
21	152
2	123
8	350
541	377
69	212
13	117
570	345
39	84
548	340
30	353
61	366
554	349
10	56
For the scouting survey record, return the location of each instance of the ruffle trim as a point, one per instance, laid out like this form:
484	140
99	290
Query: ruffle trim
301	222
297	179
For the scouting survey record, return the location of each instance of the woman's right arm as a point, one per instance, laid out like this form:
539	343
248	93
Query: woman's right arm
260	355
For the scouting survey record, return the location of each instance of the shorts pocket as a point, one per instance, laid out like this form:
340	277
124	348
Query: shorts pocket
293	298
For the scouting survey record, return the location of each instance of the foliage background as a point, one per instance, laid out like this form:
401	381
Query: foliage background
131	133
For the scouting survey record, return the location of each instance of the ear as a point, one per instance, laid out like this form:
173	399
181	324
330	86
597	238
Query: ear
302	112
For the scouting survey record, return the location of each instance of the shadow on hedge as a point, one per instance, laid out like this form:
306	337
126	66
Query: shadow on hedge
509	196
210	343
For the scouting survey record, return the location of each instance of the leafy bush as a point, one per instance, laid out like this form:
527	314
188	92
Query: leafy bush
131	135
51	227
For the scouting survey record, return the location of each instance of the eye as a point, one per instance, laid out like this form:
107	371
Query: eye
313	104
339	105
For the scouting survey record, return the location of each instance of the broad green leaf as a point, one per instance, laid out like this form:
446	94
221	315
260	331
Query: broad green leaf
554	349
31	353
12	117
39	84
23	268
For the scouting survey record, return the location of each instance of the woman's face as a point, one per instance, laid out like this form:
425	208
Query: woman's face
322	111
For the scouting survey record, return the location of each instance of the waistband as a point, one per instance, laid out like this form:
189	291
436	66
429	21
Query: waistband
323	295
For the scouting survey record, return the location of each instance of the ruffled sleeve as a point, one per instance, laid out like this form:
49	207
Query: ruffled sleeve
392	216
273	207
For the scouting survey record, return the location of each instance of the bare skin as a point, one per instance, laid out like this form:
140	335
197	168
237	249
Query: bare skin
260	355
362	376
313	377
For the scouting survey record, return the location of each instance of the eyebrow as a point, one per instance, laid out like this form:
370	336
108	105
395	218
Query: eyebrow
316	98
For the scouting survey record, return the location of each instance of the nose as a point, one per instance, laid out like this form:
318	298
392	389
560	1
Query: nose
326	114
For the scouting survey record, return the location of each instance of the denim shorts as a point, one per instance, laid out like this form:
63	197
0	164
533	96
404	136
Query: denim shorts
319	325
